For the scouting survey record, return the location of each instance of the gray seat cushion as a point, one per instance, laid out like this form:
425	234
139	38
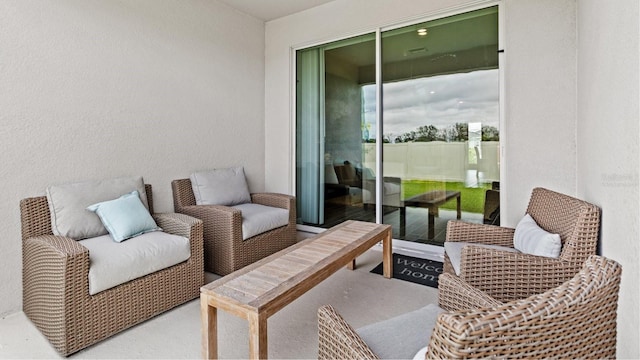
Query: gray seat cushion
403	336
258	219
453	249
114	263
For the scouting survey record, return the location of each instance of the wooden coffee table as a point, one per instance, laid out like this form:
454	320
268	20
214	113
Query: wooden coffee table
261	289
432	200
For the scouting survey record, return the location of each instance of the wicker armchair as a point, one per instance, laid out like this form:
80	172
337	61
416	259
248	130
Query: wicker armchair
224	249
574	320
55	281
513	275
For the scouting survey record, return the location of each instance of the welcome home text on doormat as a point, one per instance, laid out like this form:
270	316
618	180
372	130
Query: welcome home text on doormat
413	269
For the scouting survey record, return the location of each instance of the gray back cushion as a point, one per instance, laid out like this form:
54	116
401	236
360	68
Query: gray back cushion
220	187
68	204
403	336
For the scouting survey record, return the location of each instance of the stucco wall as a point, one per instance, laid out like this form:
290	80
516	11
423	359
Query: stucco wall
541	127
608	142
98	89
540	102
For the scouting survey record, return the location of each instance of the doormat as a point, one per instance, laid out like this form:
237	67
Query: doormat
415	270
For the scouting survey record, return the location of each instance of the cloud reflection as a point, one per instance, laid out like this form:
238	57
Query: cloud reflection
441	101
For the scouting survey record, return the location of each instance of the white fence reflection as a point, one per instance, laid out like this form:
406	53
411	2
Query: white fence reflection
438	160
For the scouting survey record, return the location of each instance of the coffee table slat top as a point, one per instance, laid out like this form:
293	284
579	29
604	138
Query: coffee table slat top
297	268
435	197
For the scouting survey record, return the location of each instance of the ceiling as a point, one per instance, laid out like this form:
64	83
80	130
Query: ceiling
458	43
267	10
446	37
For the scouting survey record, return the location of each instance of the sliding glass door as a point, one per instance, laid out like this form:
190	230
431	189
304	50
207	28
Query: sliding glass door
440	119
439	127
331	133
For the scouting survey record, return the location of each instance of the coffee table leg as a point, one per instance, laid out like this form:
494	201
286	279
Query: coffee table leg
387	257
257	336
209	319
432	224
351	265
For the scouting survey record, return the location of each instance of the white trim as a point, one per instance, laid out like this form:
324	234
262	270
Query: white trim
307	45
310	229
292	176
379	110
401	22
419	250
502	60
443	13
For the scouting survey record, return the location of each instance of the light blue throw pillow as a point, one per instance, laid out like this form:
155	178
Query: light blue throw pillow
125	217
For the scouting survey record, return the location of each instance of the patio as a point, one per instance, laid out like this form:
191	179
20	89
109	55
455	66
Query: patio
293	331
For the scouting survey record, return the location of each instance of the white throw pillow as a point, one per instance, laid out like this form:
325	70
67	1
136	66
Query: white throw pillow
421	354
68	204
529	238
220	187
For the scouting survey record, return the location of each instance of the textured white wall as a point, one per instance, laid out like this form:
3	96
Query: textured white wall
540	101
98	89
542	129
608	143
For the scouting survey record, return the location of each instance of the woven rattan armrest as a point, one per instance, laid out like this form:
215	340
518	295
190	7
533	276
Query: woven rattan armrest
185	226
454	294
479	233
509	276
54	270
337	339
56	246
215	216
274	200
177	224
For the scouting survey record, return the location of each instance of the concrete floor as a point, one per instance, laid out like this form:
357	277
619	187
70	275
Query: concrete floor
292	332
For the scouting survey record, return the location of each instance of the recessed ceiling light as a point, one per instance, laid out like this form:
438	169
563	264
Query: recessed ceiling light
422	32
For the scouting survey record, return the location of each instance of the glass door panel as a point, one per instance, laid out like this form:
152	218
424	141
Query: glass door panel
334	182
440	123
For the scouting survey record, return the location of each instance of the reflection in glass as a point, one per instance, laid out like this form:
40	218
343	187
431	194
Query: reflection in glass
440	121
331	131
